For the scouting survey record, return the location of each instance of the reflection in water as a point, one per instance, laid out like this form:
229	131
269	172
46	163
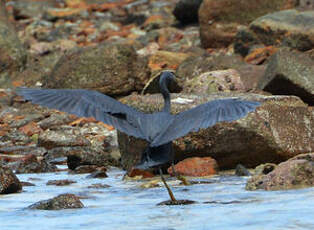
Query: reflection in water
222	204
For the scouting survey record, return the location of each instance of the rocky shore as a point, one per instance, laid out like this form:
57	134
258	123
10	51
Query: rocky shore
256	50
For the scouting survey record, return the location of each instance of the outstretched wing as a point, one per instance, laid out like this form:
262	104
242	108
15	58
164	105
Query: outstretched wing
87	103
204	116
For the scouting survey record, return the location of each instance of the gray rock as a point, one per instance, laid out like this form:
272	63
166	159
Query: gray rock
52	139
297	172
291	28
260	137
193	67
112	69
240	170
290	73
220	20
63	201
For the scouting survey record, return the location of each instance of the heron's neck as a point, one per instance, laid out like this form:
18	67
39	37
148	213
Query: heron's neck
166	95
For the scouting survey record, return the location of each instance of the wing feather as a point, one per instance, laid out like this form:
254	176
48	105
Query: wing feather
87	103
204	116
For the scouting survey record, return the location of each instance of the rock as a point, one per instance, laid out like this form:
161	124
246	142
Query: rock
99	173
12	54
195	166
244	40
30	164
52	139
23	150
186	11
9	183
26	183
140	173
30	129
262	136
166	60
220	20
264	169
112	69
54	14
60	182
240	170
214	81
297	172
63	201
85	169
259	55
98	186
290	73
56	120
193	67
27	9
286	28
78	156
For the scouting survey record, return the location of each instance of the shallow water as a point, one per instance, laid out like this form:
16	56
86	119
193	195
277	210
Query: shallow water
126	206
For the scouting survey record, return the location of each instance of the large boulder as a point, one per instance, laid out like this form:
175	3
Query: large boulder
279	129
219	20
291	28
113	69
193	67
9	183
297	172
12	54
290	73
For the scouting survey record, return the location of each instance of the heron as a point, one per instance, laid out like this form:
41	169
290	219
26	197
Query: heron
159	129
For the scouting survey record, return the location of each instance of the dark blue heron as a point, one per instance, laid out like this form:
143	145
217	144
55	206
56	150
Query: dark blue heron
158	129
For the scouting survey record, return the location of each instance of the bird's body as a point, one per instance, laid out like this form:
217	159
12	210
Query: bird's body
158	129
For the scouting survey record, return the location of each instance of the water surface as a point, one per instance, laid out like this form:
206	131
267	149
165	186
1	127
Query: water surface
126	206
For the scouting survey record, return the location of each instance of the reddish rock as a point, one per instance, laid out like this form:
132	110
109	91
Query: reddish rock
138	172
196	166
260	55
30	129
166	60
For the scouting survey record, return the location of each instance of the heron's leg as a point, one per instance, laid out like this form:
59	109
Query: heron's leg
173	199
179	177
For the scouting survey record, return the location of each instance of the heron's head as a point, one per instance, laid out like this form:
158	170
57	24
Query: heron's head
167	78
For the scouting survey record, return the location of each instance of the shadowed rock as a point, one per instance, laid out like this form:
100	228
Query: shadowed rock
186	11
9	183
63	201
290	73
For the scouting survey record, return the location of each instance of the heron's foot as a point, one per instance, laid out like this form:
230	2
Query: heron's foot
183	180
